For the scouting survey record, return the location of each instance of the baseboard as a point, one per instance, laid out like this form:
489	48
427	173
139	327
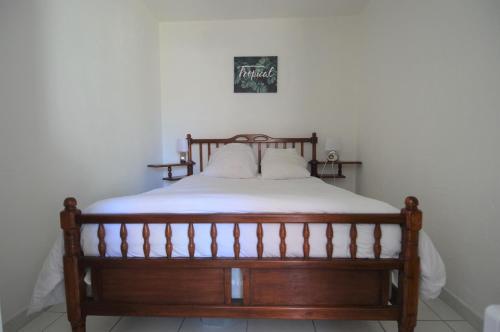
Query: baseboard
462	308
19	321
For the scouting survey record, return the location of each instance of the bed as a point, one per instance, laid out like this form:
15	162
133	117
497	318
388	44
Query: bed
247	248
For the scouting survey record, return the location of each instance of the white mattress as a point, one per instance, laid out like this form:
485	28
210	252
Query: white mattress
202	194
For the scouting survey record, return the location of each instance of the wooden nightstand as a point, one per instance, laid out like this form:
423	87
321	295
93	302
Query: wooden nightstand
339	163
169	177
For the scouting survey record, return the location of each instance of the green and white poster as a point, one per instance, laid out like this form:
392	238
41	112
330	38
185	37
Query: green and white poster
255	74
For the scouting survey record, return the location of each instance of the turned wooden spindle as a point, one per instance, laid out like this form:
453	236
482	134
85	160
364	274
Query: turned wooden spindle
306	246
329	240
353	247
201	157
377	247
213	235
101	233
209	151
236	246
146	247
259	155
191	240
123	236
302	149
260	244
168	235
282	240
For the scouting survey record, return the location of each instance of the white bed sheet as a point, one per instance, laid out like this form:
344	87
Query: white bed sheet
202	194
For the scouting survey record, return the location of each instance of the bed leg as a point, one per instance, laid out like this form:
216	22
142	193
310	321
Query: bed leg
73	273
409	276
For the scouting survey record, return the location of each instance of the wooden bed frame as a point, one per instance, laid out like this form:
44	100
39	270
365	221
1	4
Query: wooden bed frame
287	288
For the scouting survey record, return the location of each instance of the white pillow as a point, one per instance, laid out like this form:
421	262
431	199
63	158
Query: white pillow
233	160
280	164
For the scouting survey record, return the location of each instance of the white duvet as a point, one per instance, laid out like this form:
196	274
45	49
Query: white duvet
203	194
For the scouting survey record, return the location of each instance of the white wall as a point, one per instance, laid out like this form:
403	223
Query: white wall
317	64
79	115
430	127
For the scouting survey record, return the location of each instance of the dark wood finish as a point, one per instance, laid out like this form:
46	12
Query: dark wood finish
353	234
168	245
294	288
123	237
213	235
319	287
306	247
377	247
101	233
252	139
191	245
73	270
329	240
245	263
409	276
339	163
252	218
188	164
282	240
146	246
239	311
163	286
236	246
260	244
227	286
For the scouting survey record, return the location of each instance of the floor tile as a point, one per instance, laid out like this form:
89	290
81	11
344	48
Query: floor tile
422	326
61	307
278	325
426	313
93	324
215	325
347	326
148	324
461	326
41	322
444	311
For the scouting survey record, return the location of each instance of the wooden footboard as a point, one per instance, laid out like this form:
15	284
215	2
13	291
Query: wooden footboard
293	288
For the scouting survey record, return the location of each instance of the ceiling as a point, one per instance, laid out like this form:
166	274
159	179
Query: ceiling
188	10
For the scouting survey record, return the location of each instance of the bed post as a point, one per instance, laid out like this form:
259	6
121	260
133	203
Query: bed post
409	276
73	274
314	161
190	156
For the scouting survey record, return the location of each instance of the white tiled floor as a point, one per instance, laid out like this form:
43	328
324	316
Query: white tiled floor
434	316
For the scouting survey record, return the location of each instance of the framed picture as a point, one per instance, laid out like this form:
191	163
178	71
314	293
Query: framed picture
255	74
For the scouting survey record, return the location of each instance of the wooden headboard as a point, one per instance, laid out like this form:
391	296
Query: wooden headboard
254	139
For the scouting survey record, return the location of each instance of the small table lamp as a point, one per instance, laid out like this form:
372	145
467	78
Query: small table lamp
182	148
332	148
